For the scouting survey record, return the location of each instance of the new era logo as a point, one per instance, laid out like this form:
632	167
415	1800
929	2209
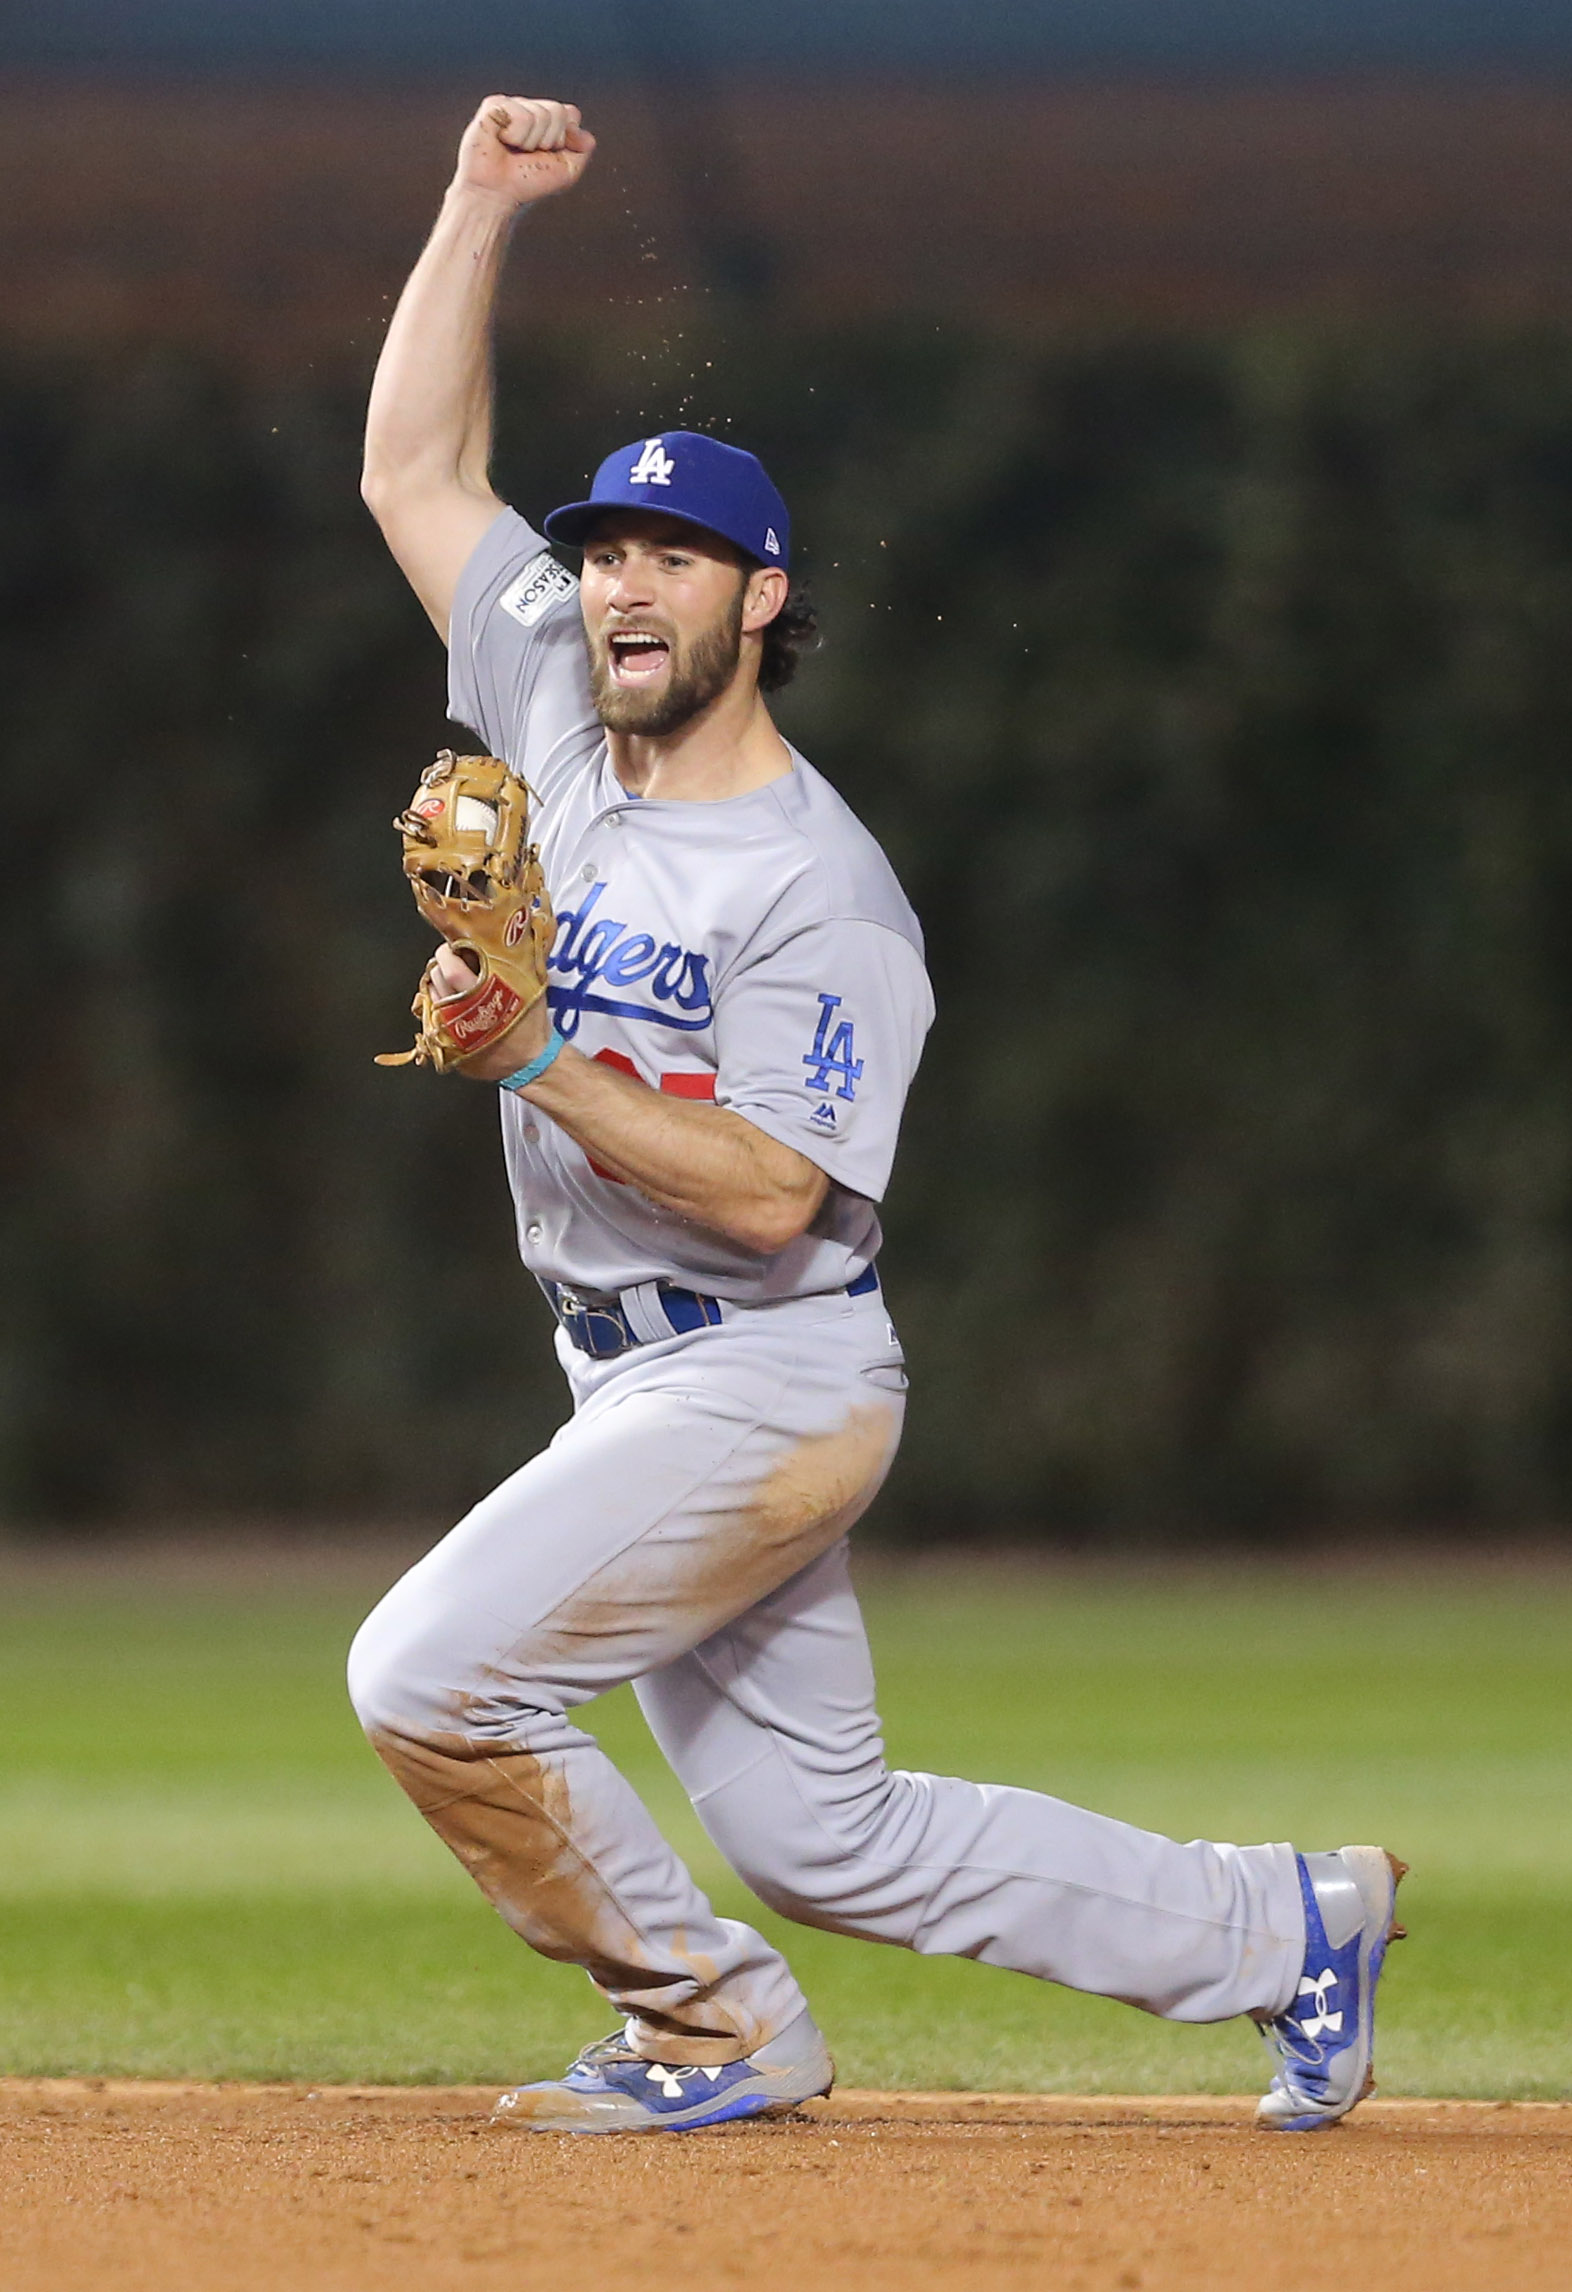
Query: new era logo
772	541
654	465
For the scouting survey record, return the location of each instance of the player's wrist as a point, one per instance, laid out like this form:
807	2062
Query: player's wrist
532	1069
553	1089
482	207
521	1043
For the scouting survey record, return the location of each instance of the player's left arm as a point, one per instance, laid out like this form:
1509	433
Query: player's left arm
702	1161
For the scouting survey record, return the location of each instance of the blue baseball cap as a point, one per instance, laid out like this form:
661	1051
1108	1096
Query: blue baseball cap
693	478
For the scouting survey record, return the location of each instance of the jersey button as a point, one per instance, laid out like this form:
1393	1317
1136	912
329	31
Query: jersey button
587	871
531	1133
532	1233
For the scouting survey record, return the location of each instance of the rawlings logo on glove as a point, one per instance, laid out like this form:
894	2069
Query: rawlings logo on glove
478	882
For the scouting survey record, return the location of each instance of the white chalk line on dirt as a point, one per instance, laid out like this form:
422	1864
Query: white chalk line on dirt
850	2105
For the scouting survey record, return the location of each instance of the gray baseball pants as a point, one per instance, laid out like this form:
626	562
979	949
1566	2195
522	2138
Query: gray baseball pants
686	1530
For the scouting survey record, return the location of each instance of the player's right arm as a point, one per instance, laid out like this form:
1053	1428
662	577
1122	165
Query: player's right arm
427	468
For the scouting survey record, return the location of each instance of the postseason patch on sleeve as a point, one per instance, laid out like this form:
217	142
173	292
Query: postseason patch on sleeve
542	584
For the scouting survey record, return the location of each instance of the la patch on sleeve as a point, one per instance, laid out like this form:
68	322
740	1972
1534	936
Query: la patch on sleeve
834	1069
542	584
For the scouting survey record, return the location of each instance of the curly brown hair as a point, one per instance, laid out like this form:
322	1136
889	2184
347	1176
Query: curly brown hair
793	632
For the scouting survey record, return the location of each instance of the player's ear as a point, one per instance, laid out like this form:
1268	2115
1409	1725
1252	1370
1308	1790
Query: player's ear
763	597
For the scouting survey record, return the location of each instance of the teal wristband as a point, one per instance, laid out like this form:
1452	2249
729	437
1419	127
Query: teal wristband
537	1065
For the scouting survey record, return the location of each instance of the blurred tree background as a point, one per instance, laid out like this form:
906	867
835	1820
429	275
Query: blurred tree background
1214	698
1196	574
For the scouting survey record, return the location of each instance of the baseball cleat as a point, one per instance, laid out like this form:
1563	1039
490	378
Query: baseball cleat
612	2089
1322	2042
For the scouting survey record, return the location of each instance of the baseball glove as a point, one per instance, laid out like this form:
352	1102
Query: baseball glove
479	883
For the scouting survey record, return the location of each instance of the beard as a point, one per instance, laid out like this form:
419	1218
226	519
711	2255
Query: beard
698	675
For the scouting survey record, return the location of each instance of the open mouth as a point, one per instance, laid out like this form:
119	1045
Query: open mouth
637	656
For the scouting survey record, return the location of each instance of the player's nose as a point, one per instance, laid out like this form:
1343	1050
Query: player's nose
631	587
628	600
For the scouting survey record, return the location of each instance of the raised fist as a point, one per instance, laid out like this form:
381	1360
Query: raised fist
523	148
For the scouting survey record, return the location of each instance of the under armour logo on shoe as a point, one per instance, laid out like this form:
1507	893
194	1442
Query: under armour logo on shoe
1319	2022
670	2080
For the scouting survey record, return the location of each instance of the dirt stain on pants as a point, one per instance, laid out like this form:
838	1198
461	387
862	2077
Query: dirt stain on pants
506	1811
807	1499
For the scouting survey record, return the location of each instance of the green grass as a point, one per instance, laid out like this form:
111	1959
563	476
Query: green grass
203	1871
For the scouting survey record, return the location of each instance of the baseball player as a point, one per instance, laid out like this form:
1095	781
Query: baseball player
698	1120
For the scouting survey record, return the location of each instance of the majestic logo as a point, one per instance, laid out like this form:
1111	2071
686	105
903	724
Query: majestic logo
832	1053
593	952
1317	1986
823	1117
542	584
654	465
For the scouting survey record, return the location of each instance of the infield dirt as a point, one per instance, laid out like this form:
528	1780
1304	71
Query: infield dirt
358	2189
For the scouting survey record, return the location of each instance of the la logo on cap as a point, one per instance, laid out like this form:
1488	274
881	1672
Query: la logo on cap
654	465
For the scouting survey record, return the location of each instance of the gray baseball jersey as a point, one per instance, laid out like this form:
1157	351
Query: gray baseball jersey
758	952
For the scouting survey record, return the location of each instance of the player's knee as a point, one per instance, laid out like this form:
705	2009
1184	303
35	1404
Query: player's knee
829	1865
766	1864
415	1673
373	1680
397	1679
796	1886
787	1864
